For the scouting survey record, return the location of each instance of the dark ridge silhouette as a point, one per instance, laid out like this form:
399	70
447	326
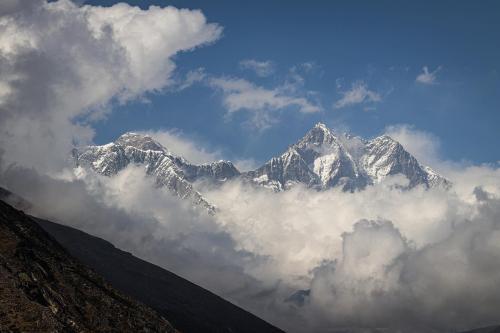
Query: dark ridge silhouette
187	306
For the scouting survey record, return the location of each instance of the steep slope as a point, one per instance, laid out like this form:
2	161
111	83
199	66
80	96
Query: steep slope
44	289
323	159
189	307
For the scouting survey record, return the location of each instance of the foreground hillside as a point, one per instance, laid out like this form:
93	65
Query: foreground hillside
44	289
187	306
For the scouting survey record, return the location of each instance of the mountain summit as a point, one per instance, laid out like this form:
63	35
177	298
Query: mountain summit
322	159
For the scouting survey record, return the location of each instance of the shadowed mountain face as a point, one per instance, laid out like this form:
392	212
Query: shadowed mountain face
44	289
187	306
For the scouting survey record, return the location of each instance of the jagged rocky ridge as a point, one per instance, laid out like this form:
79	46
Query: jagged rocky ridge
168	170
322	159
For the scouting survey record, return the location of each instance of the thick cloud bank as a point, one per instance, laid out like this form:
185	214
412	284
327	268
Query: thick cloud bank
61	65
414	260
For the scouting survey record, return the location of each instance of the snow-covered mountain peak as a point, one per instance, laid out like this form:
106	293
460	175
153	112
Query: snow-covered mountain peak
321	127
323	159
386	140
318	135
139	141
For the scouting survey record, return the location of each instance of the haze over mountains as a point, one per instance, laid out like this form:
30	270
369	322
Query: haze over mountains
322	159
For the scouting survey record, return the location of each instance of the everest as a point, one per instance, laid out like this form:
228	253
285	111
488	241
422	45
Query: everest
322	159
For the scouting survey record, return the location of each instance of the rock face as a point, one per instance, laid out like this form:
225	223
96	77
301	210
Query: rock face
44	289
322	159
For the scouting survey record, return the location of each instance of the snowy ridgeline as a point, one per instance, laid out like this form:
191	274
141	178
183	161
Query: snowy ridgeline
322	159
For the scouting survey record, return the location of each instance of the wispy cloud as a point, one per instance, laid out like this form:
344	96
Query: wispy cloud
192	77
296	76
187	147
358	94
427	77
261	68
263	102
240	94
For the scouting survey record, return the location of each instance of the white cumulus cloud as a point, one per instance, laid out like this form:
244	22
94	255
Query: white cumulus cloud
61	65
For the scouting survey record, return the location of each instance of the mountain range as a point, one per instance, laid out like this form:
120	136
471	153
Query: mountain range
321	160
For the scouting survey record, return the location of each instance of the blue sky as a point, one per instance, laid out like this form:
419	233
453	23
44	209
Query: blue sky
351	64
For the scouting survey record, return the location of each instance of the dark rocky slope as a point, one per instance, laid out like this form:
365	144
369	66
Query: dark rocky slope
187	306
44	289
